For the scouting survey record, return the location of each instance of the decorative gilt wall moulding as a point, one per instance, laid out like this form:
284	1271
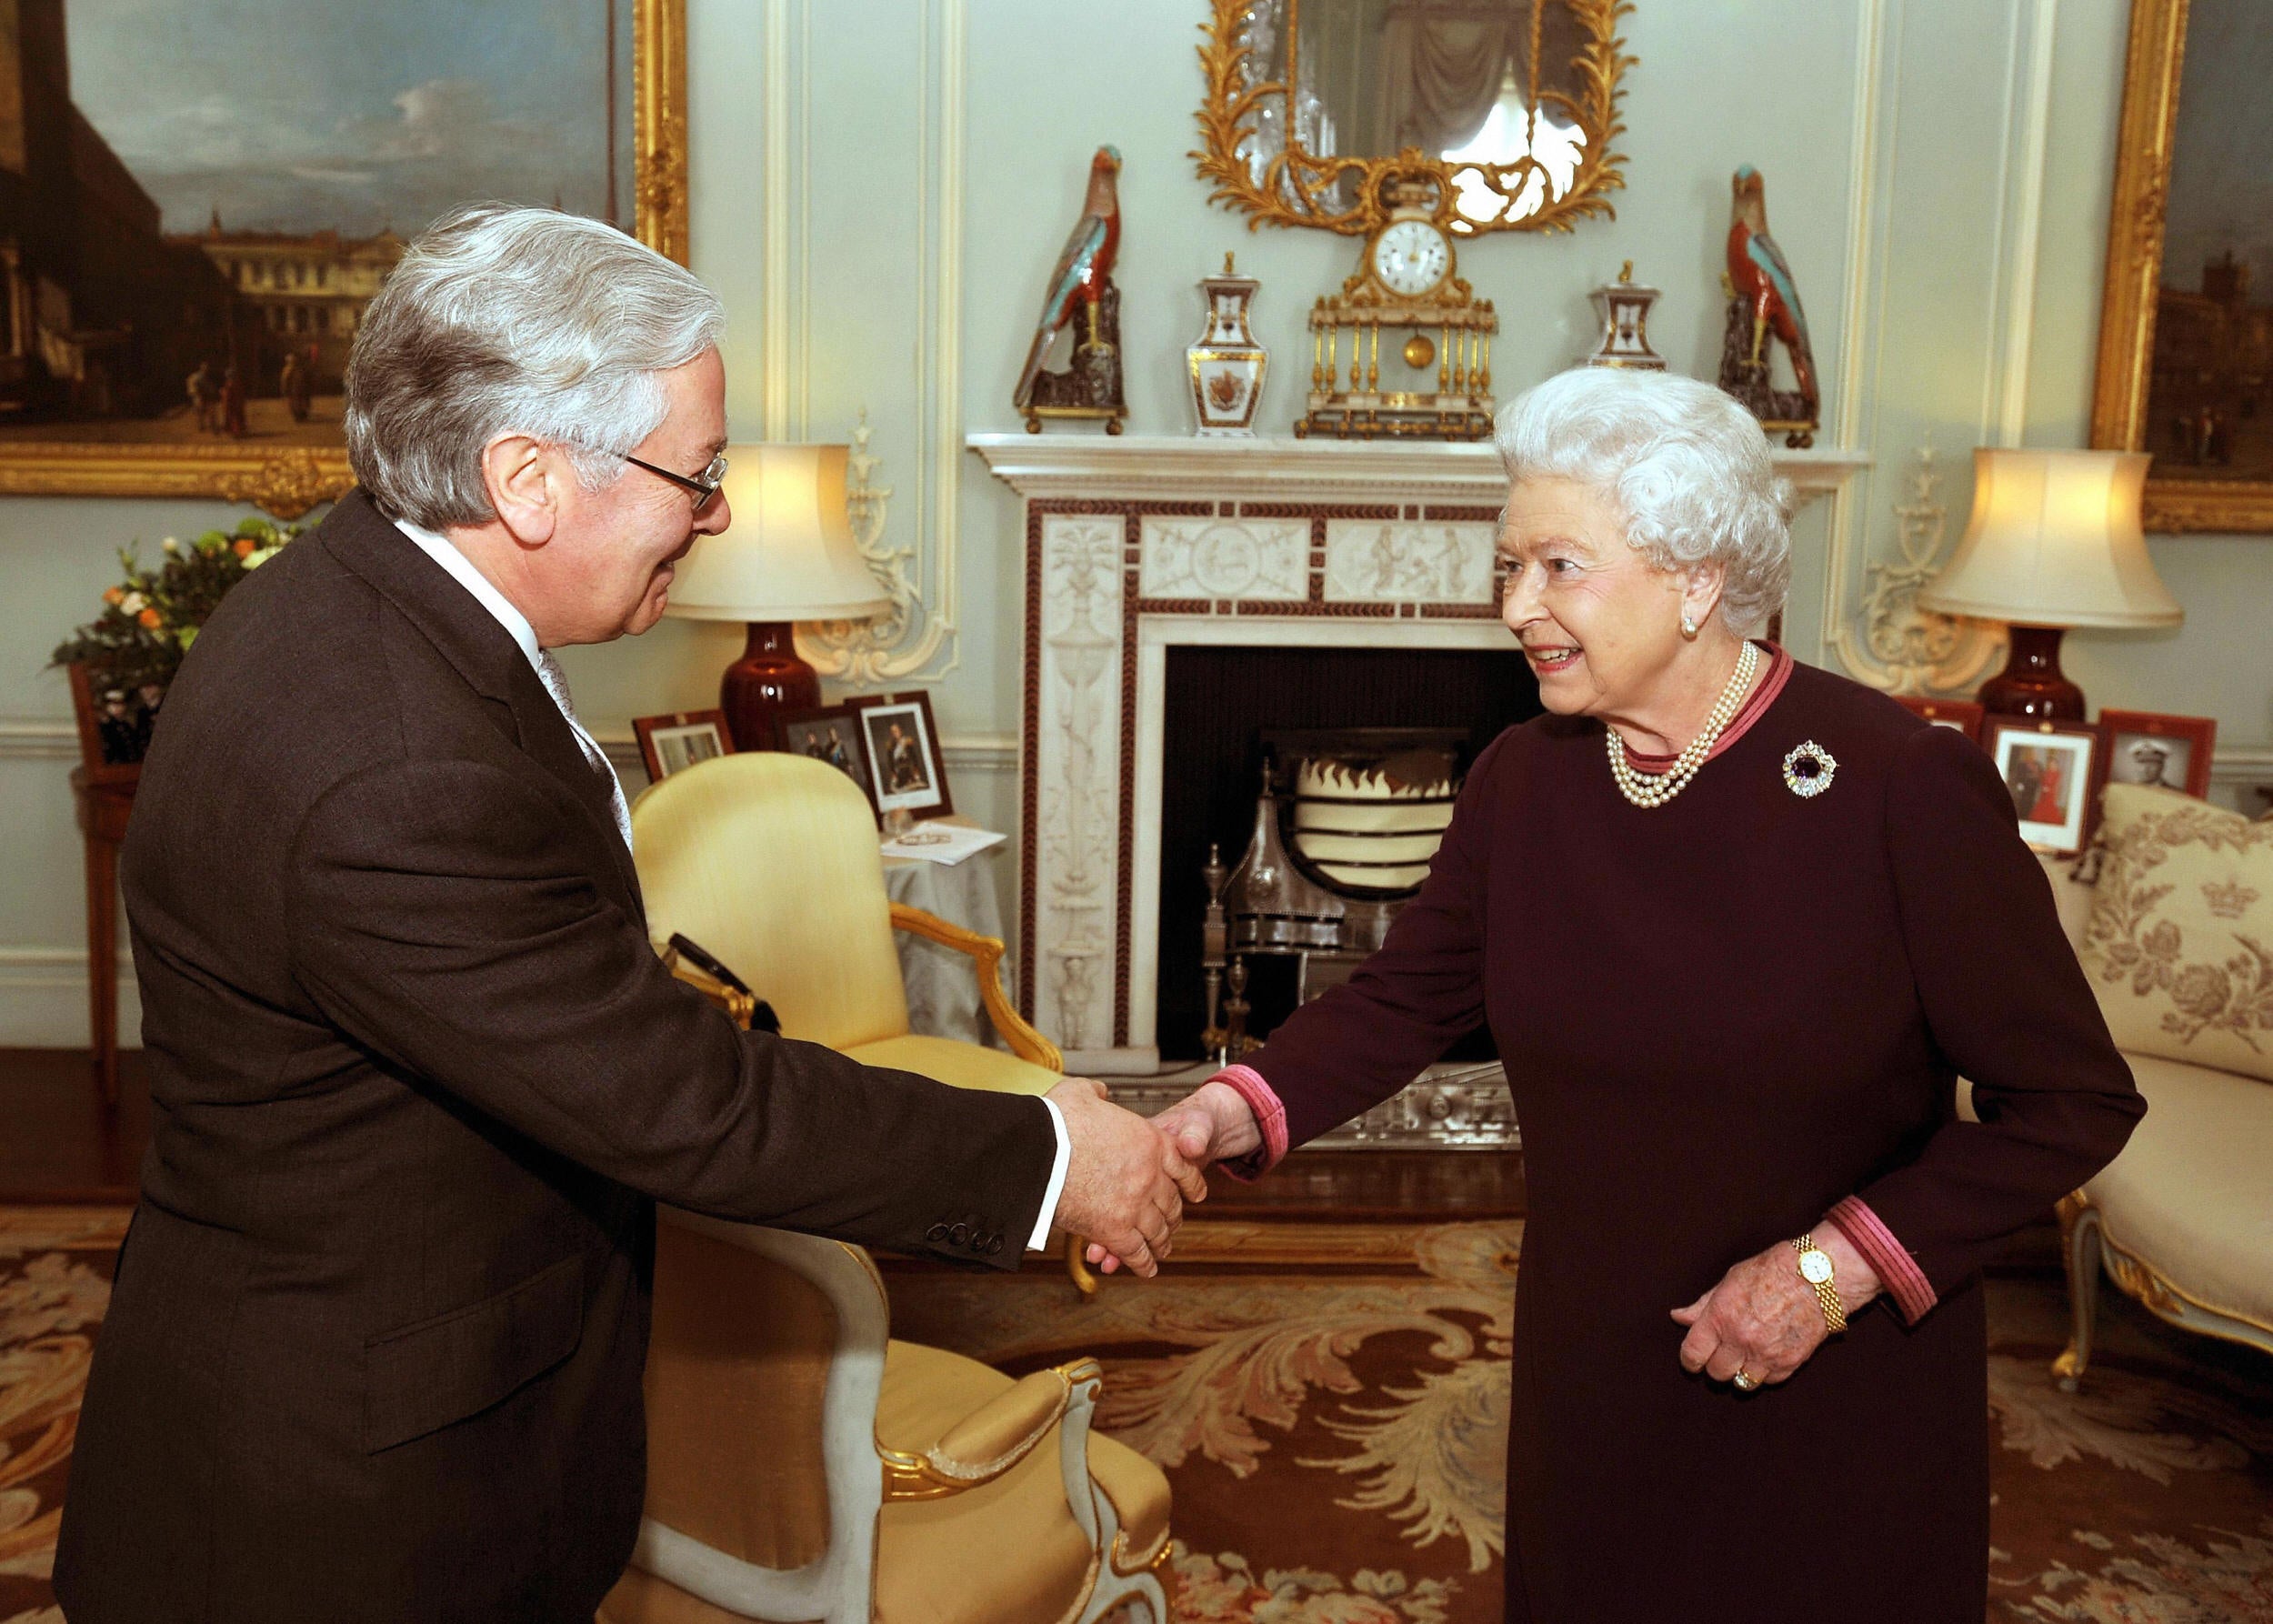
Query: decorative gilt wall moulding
2184	347
110	376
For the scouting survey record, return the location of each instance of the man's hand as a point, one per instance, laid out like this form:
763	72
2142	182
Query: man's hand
1124	1185
1208	1124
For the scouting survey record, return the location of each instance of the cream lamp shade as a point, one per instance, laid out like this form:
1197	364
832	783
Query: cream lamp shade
2055	540
788	552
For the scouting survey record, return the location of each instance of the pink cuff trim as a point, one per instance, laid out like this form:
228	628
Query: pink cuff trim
1898	1272
1270	1117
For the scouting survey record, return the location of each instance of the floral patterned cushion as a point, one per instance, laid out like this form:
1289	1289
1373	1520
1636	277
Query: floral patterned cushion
2180	944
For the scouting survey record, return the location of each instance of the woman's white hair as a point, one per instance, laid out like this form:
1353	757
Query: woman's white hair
1688	467
503	320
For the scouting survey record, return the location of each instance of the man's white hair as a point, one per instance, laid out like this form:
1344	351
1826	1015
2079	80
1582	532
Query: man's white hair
1687	467
505	320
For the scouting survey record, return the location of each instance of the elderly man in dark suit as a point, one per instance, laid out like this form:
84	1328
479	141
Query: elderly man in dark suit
376	1344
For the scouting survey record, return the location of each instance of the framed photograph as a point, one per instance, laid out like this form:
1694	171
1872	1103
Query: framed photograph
2185	314
243	179
902	746
2173	752
2048	768
673	743
830	734
1961	715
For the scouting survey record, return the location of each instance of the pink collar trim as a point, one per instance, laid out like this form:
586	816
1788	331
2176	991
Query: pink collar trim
1780	664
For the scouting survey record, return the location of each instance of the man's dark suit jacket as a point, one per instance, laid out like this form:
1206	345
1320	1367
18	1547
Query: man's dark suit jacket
376	1345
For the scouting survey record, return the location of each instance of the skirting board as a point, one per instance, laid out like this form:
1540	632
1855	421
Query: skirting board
43	1000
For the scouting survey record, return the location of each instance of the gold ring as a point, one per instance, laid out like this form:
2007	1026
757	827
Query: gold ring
1746	1381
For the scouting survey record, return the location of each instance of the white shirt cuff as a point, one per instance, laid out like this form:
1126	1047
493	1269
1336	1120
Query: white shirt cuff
1057	1179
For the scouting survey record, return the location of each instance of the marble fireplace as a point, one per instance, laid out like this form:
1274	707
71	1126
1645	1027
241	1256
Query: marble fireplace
1136	544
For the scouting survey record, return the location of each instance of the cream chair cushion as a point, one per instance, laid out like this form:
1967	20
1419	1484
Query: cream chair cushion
2180	944
932	1556
770	861
2192	1192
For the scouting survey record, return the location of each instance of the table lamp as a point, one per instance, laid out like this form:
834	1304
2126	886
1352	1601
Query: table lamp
787	556
2054	542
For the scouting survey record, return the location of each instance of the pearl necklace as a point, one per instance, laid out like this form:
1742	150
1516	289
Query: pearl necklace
1645	790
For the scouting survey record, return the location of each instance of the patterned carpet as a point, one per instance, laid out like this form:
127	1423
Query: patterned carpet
1330	1402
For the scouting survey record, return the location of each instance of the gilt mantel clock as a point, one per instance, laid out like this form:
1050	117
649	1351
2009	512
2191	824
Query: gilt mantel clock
1436	380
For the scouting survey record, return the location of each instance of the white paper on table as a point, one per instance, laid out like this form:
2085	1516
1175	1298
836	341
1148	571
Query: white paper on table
945	843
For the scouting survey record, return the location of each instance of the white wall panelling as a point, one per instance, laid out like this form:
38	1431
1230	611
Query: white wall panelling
881	189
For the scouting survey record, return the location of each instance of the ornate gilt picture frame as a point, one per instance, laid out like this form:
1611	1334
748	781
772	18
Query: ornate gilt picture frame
2183	345
271	297
1253	149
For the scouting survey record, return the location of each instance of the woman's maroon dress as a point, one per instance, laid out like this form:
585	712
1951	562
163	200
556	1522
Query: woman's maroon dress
1720	1016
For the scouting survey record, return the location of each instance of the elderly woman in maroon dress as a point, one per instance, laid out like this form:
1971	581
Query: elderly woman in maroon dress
1738	926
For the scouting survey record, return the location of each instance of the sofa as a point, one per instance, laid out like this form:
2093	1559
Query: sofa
2171	914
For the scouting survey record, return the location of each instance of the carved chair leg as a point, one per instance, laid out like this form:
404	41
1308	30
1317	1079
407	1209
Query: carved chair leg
1078	1265
2080	1251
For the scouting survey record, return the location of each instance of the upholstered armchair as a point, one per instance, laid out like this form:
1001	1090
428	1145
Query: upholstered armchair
770	862
2182	1220
801	1465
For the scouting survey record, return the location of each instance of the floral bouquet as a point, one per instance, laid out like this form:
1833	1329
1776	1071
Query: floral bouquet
149	620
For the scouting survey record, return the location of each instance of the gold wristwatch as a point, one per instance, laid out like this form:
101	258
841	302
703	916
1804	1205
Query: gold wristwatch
1815	1268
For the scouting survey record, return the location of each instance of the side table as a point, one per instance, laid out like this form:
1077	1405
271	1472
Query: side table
942	998
103	807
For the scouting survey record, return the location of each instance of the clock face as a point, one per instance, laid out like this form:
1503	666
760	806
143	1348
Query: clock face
1815	1268
1411	256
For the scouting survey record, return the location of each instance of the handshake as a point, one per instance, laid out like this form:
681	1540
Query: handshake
1127	1179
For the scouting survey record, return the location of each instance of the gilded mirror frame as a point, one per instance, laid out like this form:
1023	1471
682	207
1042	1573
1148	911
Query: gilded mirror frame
288	481
1296	186
2145	139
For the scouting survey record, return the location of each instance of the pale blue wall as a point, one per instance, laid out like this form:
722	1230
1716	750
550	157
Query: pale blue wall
1910	285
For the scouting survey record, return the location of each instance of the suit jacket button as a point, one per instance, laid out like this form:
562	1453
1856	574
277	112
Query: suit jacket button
937	1232
960	1235
994	1244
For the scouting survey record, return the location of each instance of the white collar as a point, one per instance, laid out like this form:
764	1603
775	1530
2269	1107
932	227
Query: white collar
444	551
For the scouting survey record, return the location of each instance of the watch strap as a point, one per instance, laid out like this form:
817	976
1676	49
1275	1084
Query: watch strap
1826	1290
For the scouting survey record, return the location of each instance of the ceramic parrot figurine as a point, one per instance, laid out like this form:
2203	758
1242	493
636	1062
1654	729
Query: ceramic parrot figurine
1083	268
1758	274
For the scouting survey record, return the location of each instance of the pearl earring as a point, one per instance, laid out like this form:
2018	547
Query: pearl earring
1689	627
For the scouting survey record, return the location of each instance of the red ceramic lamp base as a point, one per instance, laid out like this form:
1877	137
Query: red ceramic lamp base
769	678
2031	683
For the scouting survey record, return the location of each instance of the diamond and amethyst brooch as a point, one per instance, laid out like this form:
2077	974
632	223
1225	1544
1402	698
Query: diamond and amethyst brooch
1807	770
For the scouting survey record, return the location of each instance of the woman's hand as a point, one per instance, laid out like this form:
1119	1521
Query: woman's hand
1763	1319
1208	1124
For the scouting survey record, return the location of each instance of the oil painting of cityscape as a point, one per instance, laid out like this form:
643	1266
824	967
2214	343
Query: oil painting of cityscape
2210	405
198	198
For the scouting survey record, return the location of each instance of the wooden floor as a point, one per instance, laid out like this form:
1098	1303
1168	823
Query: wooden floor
56	1144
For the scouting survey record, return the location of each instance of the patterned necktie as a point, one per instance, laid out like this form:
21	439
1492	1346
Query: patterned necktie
556	684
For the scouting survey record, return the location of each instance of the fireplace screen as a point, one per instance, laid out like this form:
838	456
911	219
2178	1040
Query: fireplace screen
1322	778
1344	828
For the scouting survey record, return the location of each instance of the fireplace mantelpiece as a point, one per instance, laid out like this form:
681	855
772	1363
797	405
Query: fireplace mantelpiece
1137	542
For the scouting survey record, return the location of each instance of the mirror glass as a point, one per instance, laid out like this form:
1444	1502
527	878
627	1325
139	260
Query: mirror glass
1481	85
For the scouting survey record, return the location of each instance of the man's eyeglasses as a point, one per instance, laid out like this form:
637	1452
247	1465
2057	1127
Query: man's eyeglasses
703	486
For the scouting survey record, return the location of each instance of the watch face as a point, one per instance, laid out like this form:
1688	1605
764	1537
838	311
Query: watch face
1815	1268
1411	256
